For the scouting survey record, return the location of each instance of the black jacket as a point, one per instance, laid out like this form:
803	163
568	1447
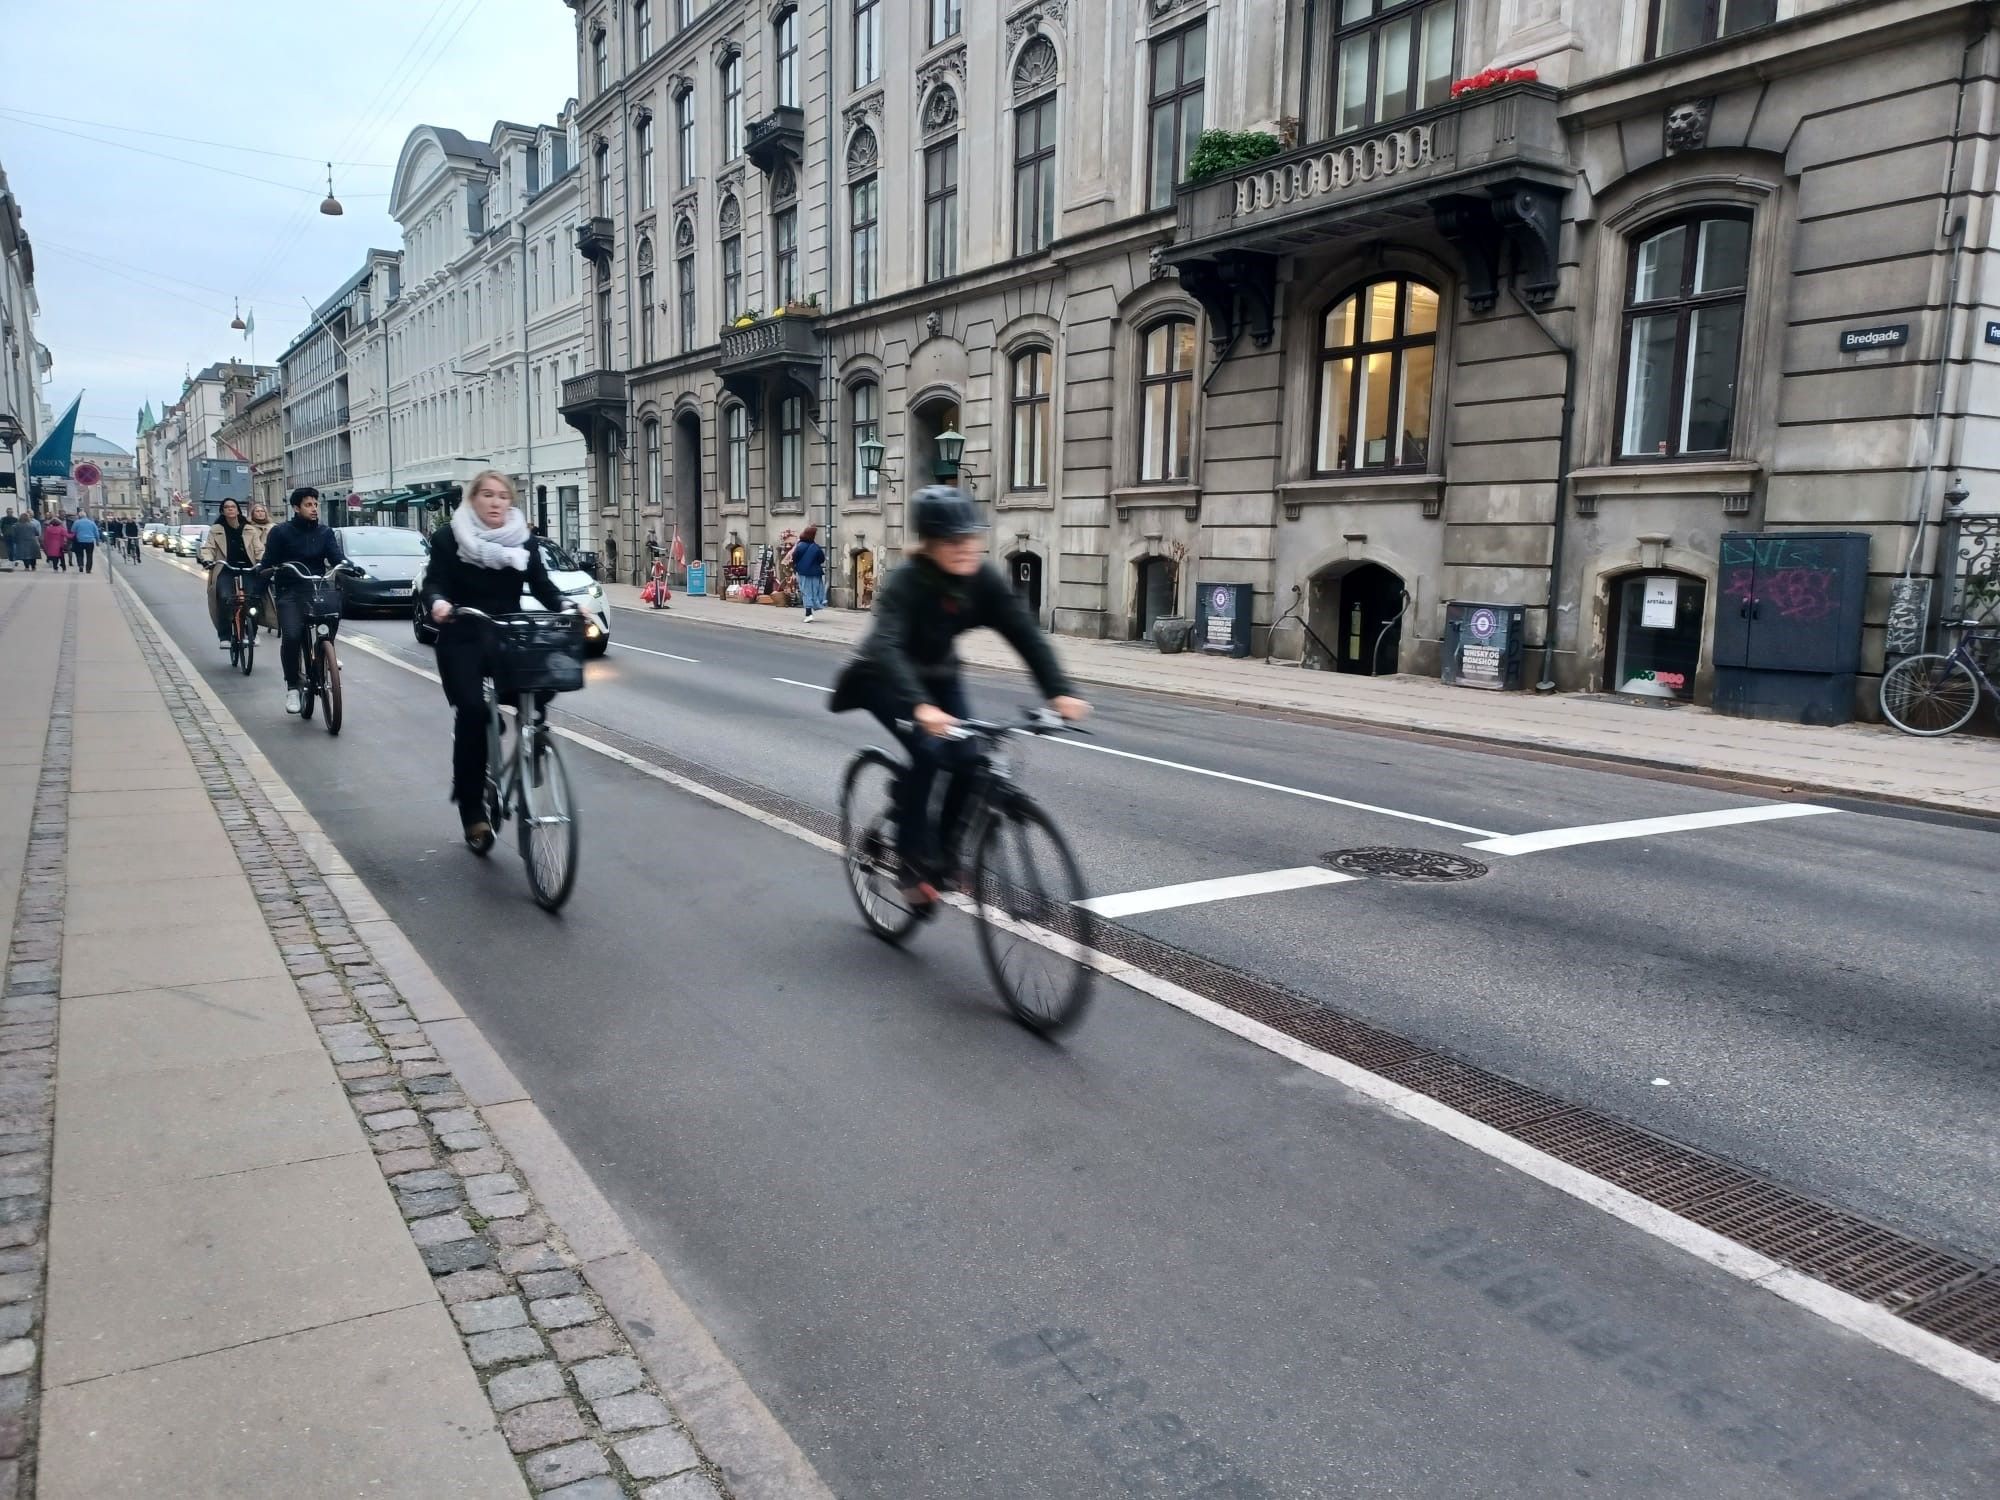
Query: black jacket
314	548
496	591
920	611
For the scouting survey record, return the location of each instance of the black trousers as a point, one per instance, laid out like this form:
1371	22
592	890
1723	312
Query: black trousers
292	637
925	847
461	656
87	552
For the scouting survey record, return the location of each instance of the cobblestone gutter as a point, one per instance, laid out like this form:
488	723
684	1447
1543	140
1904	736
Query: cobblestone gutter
27	1081
572	1400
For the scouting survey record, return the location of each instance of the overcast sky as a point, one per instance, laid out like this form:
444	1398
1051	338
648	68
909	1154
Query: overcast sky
138	258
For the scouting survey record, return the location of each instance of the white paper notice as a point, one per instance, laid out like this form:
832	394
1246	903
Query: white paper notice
1663	597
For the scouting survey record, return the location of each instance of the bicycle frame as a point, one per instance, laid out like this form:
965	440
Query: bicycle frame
1963	652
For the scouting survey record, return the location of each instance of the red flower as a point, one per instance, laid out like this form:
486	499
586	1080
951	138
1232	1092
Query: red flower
1493	78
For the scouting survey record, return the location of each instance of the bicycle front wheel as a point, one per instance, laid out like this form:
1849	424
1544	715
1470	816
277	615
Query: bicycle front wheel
1929	695
549	839
329	686
245	650
1024	876
868	839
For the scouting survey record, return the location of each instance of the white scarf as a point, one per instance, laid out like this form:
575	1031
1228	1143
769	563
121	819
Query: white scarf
503	546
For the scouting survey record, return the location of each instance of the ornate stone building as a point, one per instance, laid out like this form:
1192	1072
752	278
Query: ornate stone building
257	432
1524	339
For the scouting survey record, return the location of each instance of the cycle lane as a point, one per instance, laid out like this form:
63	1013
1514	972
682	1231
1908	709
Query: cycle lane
902	1216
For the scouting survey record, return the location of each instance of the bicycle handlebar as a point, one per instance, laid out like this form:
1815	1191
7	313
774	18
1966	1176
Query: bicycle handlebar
466	611
1036	720
343	566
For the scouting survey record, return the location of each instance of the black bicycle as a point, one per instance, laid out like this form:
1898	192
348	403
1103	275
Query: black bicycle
236	582
132	546
532	657
322	596
1024	884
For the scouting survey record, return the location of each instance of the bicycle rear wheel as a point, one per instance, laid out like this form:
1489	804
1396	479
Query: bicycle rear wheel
1024	874
329	686
550	842
1929	695
868	837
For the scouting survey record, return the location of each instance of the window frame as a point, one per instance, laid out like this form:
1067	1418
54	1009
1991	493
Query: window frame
732	106
732	278
1397	346
685	296
642	28
684	154
648	196
600	60
736	453
603	179
1174	100
867	486
785	254
864	239
655	477
1683	305
1040	164
1168	379
947	20
866	36
1385	14
1711	26
790	432
1036	405
683	14
647	333
941	213
785	38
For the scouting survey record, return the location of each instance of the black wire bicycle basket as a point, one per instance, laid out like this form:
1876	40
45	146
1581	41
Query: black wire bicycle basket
322	598
537	654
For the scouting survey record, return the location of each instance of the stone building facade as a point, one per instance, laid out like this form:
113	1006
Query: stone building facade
190	429
469	330
319	449
115	497
257	432
25	362
1536	343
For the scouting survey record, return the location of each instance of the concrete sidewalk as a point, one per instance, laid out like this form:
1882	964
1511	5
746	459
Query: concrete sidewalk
283	1254
1959	773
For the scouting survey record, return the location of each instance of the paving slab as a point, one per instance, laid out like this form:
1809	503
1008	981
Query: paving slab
128	804
177	830
183	1268
126	905
190	953
383	1405
181	1124
180	1026
113	863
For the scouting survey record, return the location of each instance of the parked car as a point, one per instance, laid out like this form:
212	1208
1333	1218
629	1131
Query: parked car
567	574
391	559
188	540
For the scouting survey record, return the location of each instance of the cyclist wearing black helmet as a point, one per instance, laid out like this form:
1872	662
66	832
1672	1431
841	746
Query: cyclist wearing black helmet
906	671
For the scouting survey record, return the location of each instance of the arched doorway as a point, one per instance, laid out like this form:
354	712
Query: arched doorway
1653	633
687	484
861	578
1355	619
1024	570
934	415
1155	594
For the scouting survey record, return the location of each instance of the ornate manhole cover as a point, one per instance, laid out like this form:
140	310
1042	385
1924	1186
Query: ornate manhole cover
1429	866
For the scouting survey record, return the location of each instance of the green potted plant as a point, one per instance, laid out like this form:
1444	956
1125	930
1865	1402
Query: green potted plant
1217	152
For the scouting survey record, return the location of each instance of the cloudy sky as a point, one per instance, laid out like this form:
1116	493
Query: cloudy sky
140	253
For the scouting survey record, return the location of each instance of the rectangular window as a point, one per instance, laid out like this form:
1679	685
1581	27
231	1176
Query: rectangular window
646	313
947	16
646	165
642	27
1391	57
683	14
1166	384
600	61
788	59
736	438
604	182
1684	337
732	278
941	211
867	42
687	302
865	417
785	231
684	135
1681	24
1028	420
732	107
792	450
1180	63
864	239
534	279
1034	176
604	322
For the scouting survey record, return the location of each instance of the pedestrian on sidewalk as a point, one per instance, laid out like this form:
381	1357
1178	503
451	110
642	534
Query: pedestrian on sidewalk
27	540
7	541
55	542
808	563
86	536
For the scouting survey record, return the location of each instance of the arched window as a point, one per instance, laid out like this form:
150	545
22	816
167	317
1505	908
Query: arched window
1377	367
864	420
732	106
645	138
1035	147
1684	295
736	452
1168	356
1028	419
785	34
653	475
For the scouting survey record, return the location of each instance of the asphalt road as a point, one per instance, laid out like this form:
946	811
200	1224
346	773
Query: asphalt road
1156	1260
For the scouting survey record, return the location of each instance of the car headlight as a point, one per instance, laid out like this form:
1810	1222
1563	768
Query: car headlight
595	592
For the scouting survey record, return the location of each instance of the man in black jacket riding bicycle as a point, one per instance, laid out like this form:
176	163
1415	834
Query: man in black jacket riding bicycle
907	672
315	548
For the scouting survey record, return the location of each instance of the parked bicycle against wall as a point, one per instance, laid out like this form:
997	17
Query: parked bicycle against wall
1934	694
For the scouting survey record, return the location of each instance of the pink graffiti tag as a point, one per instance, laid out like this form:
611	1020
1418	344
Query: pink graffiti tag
1803	594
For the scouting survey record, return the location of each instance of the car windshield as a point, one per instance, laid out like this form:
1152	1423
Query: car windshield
558	561
383	541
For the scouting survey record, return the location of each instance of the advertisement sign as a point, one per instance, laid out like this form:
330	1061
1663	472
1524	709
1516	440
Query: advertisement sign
1662	602
697	584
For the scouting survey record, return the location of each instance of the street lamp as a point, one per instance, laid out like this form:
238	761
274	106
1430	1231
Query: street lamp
950	452
872	453
330	205
237	321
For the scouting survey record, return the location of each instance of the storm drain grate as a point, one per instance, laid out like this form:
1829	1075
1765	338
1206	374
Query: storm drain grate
1418	866
1949	1295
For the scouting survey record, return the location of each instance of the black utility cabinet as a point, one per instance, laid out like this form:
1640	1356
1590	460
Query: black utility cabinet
1788	624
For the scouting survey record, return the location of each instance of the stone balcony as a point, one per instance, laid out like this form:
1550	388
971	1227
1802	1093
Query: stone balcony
1488	169
772	350
595	239
594	404
776	137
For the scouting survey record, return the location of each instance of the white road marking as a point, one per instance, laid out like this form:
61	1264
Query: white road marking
1225	888
1640	828
811	687
1272	786
1875	1324
649	651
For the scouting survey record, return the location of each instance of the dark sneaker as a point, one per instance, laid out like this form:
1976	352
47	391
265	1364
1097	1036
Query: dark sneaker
479	837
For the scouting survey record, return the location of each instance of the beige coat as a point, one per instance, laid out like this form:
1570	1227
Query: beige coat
216	548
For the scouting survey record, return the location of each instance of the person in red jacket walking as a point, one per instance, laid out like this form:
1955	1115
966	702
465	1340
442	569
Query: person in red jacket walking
55	543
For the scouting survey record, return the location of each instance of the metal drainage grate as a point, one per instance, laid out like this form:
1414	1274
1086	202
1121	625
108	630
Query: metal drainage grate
1421	866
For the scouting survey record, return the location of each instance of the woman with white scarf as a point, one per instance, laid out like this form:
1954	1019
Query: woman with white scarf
483	560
